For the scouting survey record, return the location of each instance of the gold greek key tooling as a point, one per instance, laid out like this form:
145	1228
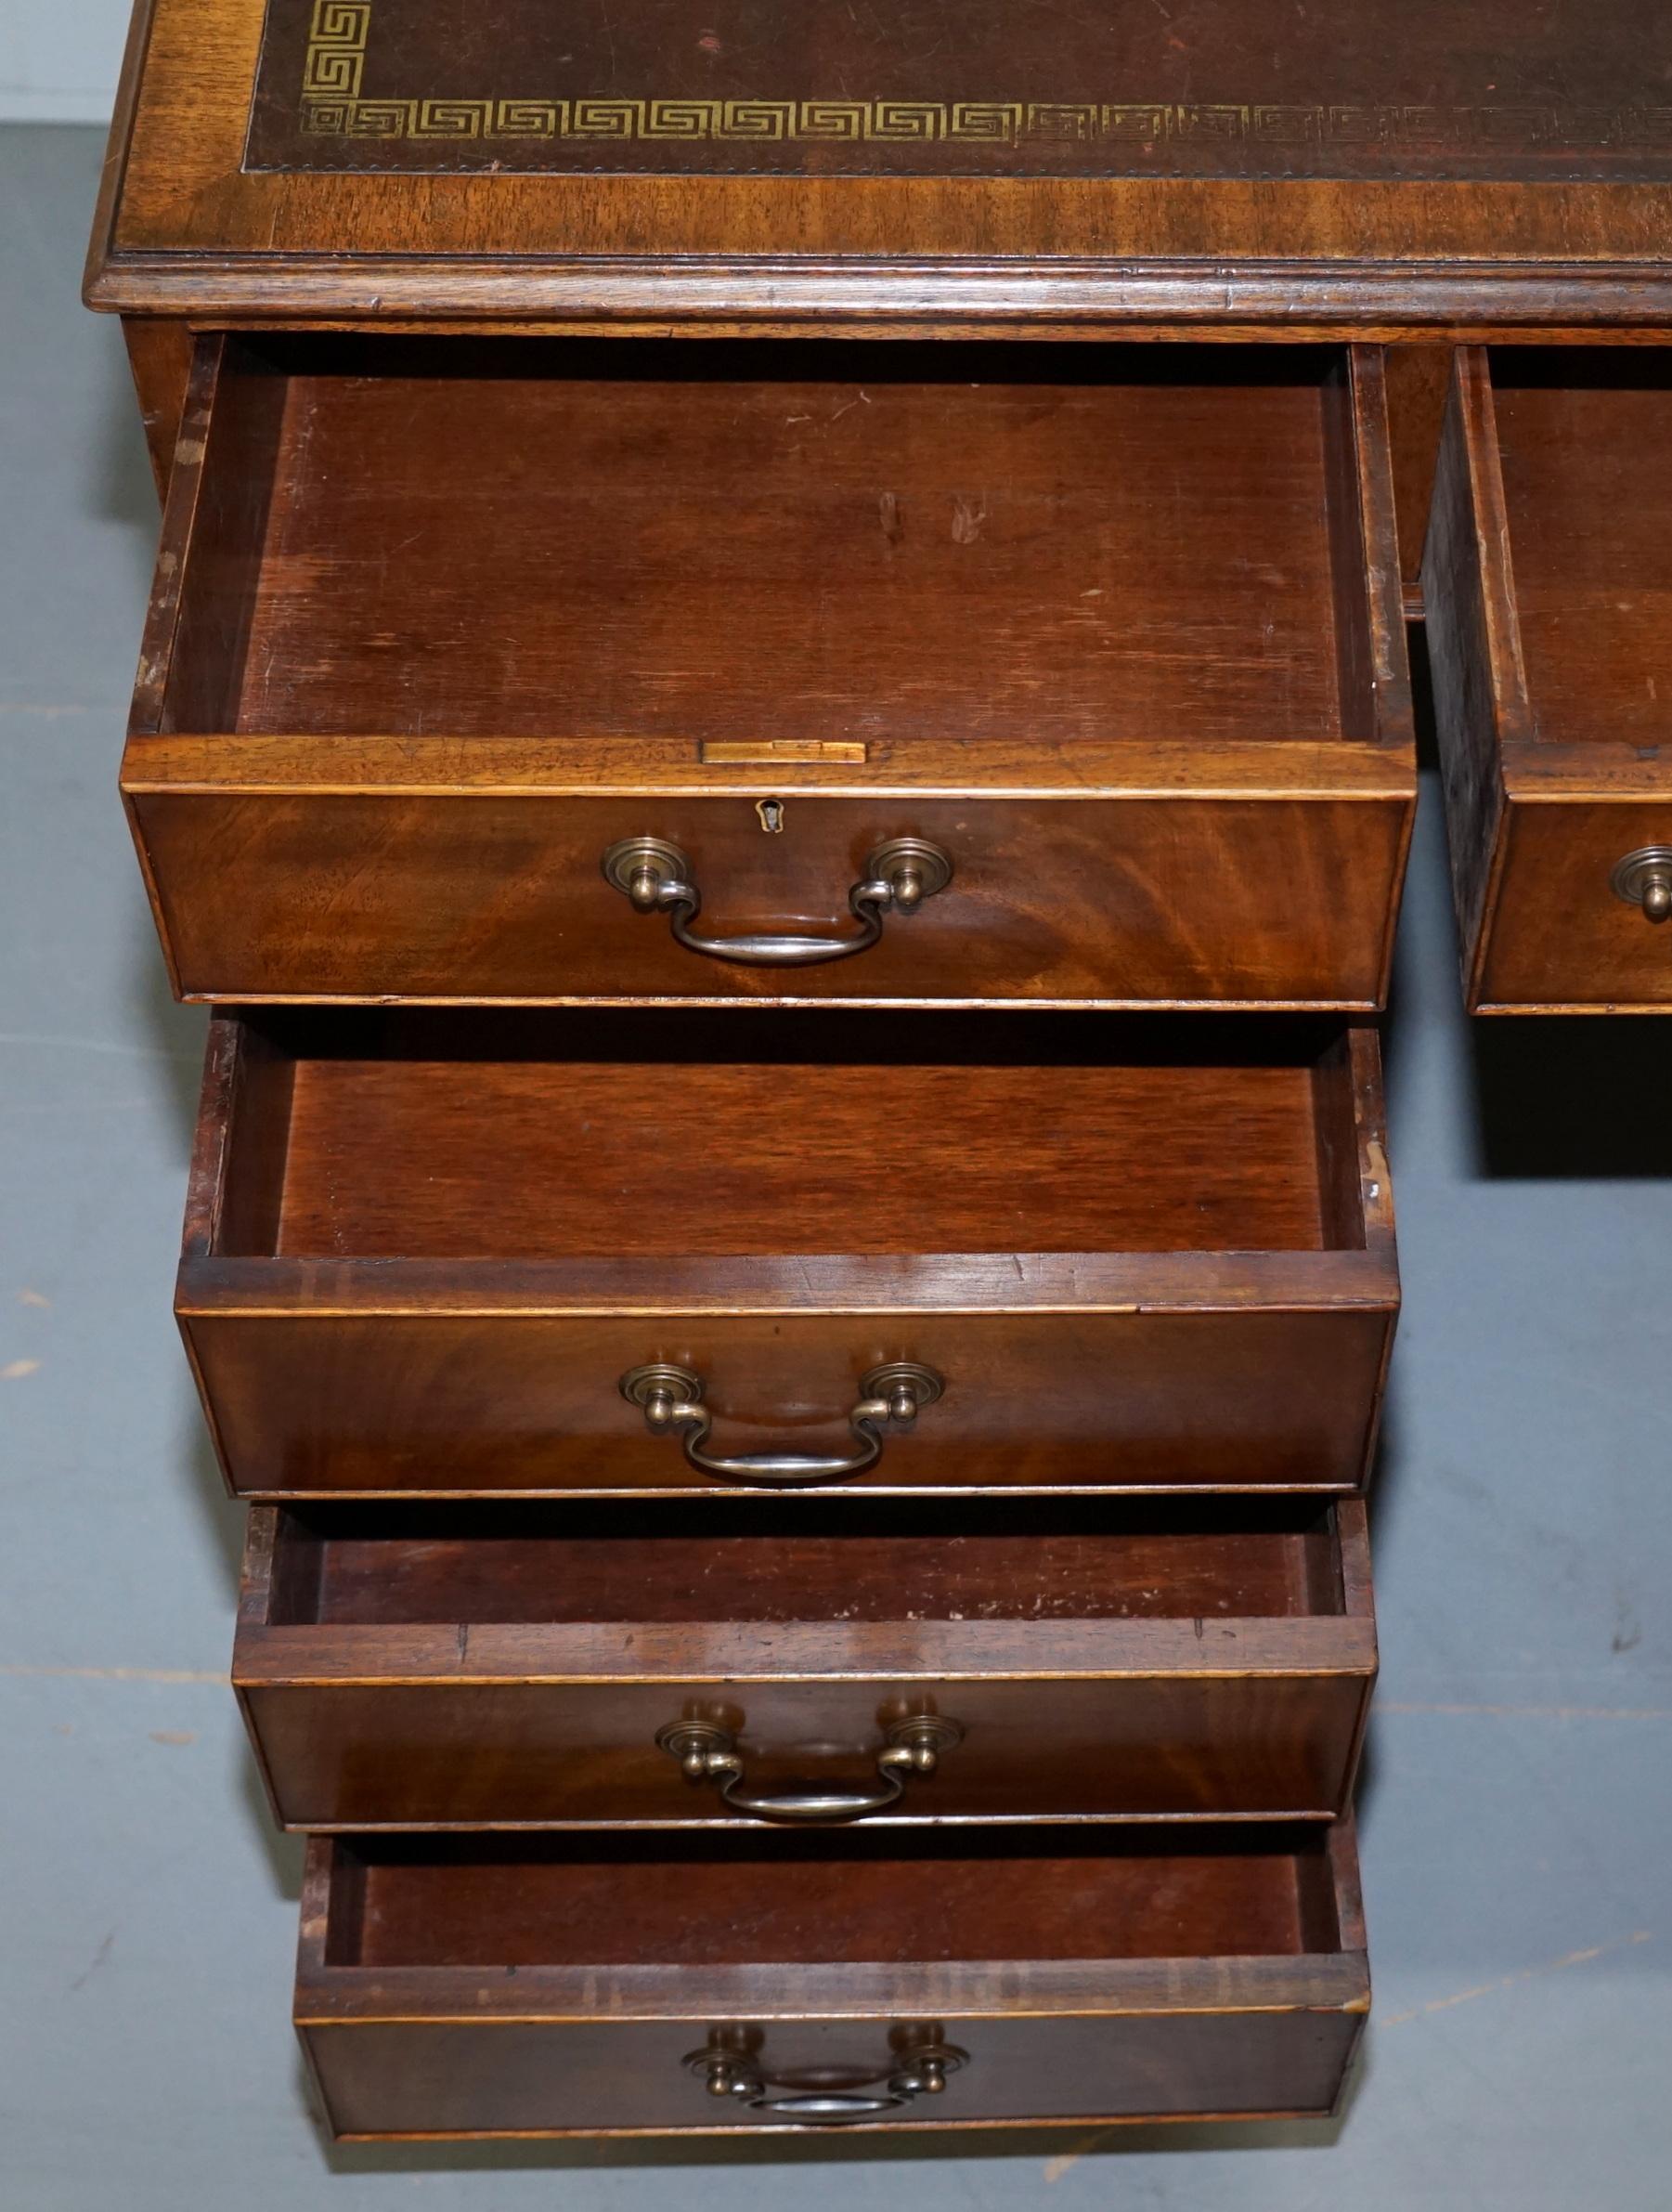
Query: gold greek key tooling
335	104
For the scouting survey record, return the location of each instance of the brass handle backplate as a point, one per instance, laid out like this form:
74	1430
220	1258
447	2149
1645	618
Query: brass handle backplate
657	877
889	1396
731	2065
911	1747
1644	878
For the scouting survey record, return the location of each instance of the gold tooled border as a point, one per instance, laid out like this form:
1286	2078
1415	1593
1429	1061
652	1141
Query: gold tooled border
333	106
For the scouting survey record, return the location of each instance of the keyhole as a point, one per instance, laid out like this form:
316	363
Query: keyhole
772	815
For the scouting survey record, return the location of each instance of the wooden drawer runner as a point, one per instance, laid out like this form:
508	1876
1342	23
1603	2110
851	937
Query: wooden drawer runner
1547	583
442	1251
439	624
475	1984
491	1665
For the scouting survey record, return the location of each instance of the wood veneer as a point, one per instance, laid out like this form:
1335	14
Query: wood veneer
1107	1973
646	1138
716	1900
523	540
423	1248
511	1665
760	1562
1549	613
1549	212
436	623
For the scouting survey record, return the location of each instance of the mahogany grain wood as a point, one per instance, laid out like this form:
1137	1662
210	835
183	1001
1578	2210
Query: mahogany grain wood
1418	378
1368	169
435	624
1548	592
474	1984
472	566
493	1666
161	352
422	1249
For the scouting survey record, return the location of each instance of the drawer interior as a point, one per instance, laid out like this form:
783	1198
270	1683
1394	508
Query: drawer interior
864	1560
771	542
522	1135
1588	487
791	1898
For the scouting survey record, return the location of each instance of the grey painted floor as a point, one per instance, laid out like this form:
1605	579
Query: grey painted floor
1518	1799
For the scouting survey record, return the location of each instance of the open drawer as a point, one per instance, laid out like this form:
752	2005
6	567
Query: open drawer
672	1251
495	1665
528	1985
931	674
1547	583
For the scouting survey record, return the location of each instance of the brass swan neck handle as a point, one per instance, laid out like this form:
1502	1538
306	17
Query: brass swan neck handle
731	2065
889	1397
911	1747
657	877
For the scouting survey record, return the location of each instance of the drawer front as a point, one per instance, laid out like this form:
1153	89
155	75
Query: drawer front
456	1984
589	2077
1544	577
390	719
360	1754
1559	935
1211	901
530	1403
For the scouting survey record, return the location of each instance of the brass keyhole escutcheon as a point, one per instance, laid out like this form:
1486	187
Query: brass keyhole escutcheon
770	811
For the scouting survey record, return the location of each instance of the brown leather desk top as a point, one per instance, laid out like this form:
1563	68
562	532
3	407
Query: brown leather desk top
1387	167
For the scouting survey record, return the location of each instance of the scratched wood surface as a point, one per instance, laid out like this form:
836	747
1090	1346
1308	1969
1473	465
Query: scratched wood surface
423	1248
434	625
493	1666
484	1986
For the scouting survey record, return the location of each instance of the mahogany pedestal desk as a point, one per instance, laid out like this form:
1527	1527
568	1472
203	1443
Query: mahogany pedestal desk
776	716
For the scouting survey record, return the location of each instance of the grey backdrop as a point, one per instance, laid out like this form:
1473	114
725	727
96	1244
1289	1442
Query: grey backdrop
59	58
1518	1800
